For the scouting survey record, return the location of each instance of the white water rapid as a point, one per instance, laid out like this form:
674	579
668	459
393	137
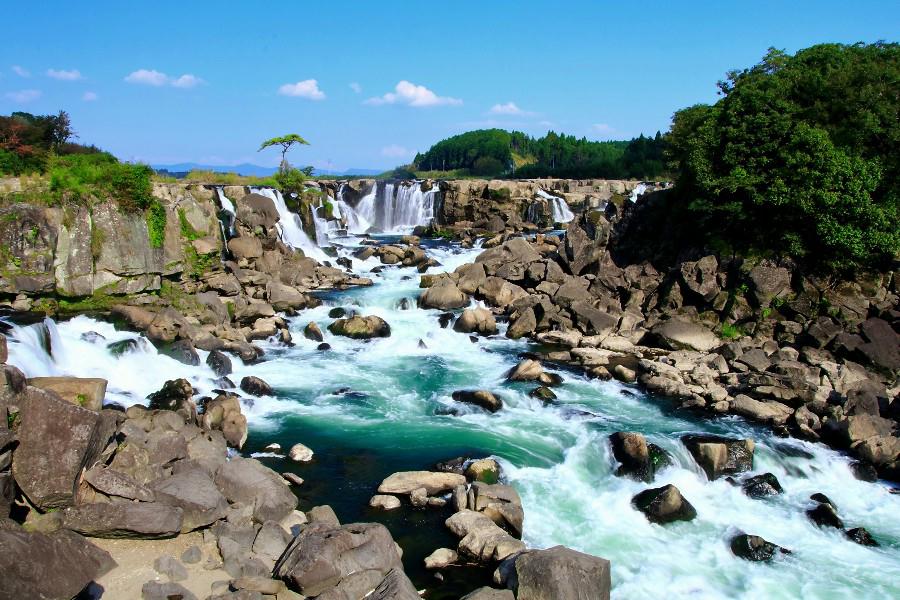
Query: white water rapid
561	211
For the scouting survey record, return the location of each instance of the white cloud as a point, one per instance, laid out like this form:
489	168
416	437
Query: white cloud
20	71
395	151
413	95
509	108
90	96
23	96
308	88
158	79
148	77
63	75
357	89
186	81
602	128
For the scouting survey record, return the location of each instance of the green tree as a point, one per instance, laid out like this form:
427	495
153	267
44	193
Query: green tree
286	142
800	158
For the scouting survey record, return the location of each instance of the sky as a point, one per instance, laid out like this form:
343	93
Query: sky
370	83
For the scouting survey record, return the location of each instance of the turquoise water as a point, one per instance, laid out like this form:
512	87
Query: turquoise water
368	409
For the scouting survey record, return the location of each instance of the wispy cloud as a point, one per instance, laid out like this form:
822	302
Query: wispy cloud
357	89
90	96
308	88
64	75
21	71
602	128
510	108
395	151
23	96
158	79
413	95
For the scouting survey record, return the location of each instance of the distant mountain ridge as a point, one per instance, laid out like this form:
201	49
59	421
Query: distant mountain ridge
254	170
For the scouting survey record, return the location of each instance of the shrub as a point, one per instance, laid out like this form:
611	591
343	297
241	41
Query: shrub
156	223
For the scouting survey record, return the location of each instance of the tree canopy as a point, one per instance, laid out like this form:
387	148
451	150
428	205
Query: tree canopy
286	142
799	157
496	152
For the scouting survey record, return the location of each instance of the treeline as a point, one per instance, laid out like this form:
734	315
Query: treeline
800	158
42	144
500	153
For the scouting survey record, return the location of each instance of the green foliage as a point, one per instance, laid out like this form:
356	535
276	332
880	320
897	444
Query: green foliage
155	216
76	177
286	142
801	157
81	399
729	331
290	180
187	230
202	176
495	152
196	265
27	141
99	302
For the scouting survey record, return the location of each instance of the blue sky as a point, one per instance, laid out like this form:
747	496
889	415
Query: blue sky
369	83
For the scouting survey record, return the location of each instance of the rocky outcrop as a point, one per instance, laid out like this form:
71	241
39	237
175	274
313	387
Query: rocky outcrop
557	573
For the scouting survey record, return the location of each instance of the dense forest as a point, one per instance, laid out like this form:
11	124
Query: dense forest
799	158
499	153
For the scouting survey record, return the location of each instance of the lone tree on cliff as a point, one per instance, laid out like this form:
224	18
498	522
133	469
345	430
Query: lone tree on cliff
286	142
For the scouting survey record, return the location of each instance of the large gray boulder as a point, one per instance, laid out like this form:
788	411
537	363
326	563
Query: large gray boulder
482	539
195	494
86	392
361	328
405	482
585	242
142	520
247	481
719	456
55	566
443	295
676	334
482	398
699	278
57	440
476	320
256	210
321	557
664	505
638	459
558	573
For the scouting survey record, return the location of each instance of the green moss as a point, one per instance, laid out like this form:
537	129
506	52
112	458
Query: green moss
97	239
187	230
12	419
100	301
81	399
197	264
156	224
729	331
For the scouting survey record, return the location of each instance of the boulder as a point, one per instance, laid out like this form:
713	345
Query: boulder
488	593
361	328
193	491
768	282
770	411
861	536
113	483
57	565
639	460
482	539
434	483
256	386
256	210
245	247
700	278
755	548
223	413
444	295
140	520
482	398
526	370
760	486
312	332
559	573
441	558
395	586
676	334
247	481
82	391
323	557
719	456
176	395
300	453
824	514
664	505
476	320
384	502
523	325
486	470
585	242
57	440
219	363
183	351
882	346
284	297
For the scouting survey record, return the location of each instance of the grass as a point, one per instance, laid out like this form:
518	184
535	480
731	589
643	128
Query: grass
729	331
76	178
156	224
217	178
100	301
187	230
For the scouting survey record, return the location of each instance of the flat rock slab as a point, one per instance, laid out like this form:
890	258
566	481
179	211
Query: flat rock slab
124	520
87	392
405	482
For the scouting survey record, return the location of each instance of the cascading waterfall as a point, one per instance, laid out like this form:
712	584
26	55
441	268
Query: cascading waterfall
226	213
561	211
290	226
638	190
391	208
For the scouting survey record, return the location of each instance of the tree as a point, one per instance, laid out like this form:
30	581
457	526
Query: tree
60	129
286	142
799	158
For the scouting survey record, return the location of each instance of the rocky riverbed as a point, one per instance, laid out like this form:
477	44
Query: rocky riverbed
456	407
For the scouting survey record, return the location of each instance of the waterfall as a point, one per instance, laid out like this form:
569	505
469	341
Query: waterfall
226	213
638	190
395	208
561	211
290	227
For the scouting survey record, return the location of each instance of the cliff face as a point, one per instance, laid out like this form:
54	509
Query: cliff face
78	251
